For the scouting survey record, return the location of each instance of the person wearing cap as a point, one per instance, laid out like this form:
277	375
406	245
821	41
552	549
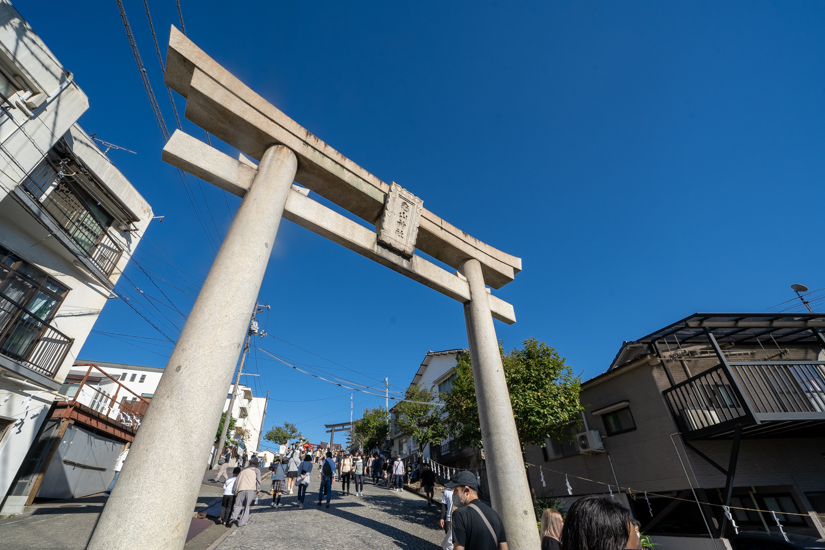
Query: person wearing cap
476	526
246	487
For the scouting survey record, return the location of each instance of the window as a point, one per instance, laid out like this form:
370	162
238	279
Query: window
782	503
132	379
446	385
29	287
618	422
123	376
142	378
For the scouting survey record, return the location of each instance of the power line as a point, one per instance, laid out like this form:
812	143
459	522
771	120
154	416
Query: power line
434	403
161	291
128	303
129	335
135	345
146	297
180	15
324	358
157	112
315	368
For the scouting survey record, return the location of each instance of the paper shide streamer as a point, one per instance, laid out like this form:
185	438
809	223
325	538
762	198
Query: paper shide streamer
730	518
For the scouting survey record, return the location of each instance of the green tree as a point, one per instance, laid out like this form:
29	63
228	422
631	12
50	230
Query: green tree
544	394
418	418
372	429
220	427
282	434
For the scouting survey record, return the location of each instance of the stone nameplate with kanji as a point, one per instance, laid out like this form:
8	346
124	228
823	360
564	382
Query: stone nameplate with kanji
398	226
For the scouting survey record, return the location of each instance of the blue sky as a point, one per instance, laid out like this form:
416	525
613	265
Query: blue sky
647	160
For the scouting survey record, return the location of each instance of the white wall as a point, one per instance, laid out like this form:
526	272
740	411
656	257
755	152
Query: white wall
26	133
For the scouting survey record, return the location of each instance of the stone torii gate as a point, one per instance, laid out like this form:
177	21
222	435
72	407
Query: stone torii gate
342	427
151	505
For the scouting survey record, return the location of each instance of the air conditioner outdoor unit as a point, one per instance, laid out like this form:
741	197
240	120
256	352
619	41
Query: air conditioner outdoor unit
590	442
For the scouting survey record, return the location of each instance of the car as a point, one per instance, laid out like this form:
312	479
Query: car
759	540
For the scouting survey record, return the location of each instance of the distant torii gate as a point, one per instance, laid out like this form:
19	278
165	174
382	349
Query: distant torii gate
151	507
343	426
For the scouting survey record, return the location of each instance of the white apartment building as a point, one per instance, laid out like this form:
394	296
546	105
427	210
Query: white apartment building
435	373
69	223
139	383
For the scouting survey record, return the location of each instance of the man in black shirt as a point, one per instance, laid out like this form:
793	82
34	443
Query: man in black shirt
428	483
476	526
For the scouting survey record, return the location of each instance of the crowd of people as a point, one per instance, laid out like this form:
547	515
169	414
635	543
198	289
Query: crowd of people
595	523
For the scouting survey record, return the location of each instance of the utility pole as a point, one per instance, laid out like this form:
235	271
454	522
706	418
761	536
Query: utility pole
253	329
351	429
387	386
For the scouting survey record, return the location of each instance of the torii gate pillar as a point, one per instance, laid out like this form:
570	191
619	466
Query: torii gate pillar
509	490
192	390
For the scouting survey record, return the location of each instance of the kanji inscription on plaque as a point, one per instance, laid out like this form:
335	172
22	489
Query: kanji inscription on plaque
398	227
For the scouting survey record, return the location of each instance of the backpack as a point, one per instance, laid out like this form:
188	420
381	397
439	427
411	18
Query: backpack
327	469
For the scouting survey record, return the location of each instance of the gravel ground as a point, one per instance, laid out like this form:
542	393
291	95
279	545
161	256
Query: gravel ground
380	519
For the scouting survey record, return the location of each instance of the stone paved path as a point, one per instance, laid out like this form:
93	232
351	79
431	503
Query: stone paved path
381	519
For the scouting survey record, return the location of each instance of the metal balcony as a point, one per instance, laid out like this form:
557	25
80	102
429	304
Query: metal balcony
769	399
29	341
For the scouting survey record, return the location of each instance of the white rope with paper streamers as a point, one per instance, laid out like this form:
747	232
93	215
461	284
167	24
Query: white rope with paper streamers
730	518
649	507
778	524
543	483
569	488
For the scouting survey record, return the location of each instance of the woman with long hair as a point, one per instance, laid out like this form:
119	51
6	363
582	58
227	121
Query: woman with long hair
598	523
551	527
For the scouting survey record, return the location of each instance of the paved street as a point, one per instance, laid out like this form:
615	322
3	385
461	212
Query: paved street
68	524
381	519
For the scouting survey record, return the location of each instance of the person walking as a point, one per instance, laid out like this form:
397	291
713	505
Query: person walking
303	479
346	473
228	500
398	473
446	518
551	527
375	468
428	483
246	487
227	454
358	473
476	526
292	469
279	473
328	473
121	458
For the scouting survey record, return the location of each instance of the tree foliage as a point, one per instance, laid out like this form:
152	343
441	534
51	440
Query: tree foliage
282	434
417	418
544	394
372	429
220	427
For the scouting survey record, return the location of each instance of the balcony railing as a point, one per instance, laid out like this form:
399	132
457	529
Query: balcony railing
749	393
782	390
101	396
29	341
65	206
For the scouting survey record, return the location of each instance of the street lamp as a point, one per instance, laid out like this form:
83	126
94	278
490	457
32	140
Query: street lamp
802	288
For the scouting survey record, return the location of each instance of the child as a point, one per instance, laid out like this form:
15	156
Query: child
228	497
279	473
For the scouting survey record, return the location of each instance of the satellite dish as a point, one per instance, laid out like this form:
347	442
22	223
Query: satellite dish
799	288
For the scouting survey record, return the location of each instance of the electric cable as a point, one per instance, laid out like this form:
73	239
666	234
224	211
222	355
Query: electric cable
157	112
324	358
143	293
315	368
433	403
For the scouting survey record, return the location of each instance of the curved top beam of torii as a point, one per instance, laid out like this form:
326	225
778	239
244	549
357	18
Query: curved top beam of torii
222	105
